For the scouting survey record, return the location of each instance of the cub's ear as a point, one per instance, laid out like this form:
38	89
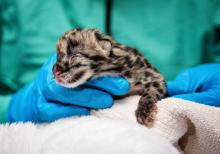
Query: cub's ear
106	45
104	42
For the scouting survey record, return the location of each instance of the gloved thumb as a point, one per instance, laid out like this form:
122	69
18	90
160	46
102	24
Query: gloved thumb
180	85
176	87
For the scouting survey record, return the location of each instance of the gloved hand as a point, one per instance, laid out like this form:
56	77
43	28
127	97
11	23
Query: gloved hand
43	100
199	84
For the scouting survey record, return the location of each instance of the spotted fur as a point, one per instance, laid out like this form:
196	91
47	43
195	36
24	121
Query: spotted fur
86	54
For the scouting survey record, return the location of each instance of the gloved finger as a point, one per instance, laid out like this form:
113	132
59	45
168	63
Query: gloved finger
176	87
180	85
114	85
50	111
81	96
210	97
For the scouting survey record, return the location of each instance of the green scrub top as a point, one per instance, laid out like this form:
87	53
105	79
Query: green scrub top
172	34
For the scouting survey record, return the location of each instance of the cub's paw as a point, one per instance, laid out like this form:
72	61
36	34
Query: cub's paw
146	114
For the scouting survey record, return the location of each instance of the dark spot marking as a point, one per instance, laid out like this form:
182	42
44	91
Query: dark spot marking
127	73
147	74
85	55
127	58
147	85
148	97
158	96
156	84
98	36
71	45
160	90
145	94
138	62
94	66
114	69
128	61
78	75
97	58
130	65
111	54
66	64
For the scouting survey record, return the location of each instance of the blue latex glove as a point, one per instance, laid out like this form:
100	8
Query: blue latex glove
200	84
43	100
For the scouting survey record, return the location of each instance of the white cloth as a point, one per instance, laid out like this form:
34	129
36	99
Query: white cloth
191	127
86	135
115	131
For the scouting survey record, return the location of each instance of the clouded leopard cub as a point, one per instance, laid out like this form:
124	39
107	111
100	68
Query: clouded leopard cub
86	54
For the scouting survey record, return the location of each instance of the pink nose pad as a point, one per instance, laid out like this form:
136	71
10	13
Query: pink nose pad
57	76
57	73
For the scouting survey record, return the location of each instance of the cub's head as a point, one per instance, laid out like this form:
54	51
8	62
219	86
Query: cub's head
79	54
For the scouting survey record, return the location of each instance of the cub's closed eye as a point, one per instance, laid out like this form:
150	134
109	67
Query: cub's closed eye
97	58
94	58
78	65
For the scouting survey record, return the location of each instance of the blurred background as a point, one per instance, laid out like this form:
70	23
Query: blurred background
171	34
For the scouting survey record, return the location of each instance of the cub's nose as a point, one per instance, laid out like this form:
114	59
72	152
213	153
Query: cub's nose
57	70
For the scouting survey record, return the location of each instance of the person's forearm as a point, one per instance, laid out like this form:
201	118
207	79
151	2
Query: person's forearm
4	101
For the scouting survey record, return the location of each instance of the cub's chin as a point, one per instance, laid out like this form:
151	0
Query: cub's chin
66	85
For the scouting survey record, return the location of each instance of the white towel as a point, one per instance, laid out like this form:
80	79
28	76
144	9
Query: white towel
115	130
191	127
